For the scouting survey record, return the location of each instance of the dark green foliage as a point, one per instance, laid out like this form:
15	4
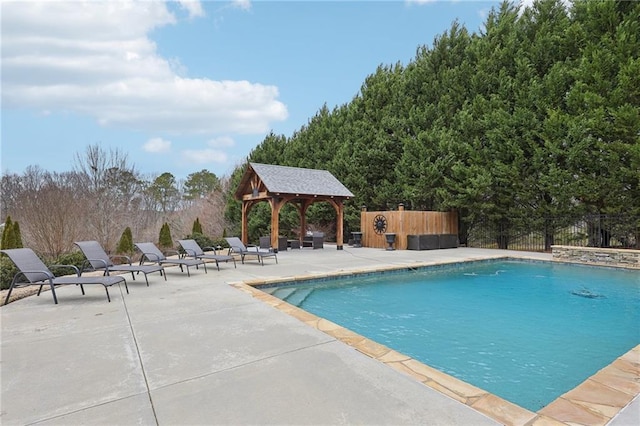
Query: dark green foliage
536	116
165	241
125	245
75	258
197	227
7	272
17	235
200	184
202	240
8	234
220	242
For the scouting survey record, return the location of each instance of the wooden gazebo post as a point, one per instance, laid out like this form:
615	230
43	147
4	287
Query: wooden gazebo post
279	185
276	204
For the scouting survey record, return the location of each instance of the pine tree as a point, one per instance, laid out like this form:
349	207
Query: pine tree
197	227
18	235
165	240
8	234
125	245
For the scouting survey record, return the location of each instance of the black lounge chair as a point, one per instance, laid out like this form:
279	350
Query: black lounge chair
99	260
151	253
35	272
238	247
193	249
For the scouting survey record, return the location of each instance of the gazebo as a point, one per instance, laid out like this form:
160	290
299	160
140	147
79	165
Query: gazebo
280	185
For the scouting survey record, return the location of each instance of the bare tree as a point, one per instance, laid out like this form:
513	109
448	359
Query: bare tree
112	185
49	209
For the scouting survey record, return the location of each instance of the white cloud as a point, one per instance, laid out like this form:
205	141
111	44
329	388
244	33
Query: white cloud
157	145
203	156
242	4
194	7
221	142
95	58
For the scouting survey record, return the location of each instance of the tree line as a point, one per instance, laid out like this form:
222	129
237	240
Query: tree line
105	198
537	115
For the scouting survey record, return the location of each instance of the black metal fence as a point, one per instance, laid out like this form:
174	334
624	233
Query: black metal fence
539	235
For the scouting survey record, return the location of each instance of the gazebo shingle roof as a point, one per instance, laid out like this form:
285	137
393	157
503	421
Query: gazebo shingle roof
296	180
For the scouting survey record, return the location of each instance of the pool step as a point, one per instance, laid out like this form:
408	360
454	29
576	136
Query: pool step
282	292
298	296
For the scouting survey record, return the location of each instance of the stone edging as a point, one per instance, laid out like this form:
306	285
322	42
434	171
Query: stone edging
621	258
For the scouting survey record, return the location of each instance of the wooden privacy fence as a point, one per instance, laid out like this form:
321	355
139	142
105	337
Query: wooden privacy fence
403	223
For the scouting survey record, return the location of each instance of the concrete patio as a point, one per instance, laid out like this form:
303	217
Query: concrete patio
197	350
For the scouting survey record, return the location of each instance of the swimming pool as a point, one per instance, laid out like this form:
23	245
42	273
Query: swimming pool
525	331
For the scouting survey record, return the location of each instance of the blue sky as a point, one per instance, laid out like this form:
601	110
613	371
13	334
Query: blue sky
185	86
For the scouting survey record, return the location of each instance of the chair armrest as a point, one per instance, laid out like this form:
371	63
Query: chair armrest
88	263
49	275
171	253
121	256
151	257
189	252
75	268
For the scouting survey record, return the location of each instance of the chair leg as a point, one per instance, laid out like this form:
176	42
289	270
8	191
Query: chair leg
53	291
107	290
6	300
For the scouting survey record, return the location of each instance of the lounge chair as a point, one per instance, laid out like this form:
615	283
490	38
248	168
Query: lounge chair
36	272
151	253
99	260
237	246
193	249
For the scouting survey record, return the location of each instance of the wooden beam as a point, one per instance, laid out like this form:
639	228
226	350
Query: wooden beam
276	204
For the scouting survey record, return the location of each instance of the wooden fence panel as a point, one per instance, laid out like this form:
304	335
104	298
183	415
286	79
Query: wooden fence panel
404	222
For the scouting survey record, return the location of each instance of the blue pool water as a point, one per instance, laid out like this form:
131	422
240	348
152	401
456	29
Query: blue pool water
525	331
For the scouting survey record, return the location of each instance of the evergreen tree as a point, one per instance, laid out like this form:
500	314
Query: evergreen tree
535	116
125	245
197	227
165	240
18	235
200	184
8	234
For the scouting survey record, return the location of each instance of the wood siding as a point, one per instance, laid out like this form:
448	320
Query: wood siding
405	222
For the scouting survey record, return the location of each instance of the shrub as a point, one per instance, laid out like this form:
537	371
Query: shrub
75	258
165	240
7	271
197	227
201	239
220	242
8	235
17	235
125	245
